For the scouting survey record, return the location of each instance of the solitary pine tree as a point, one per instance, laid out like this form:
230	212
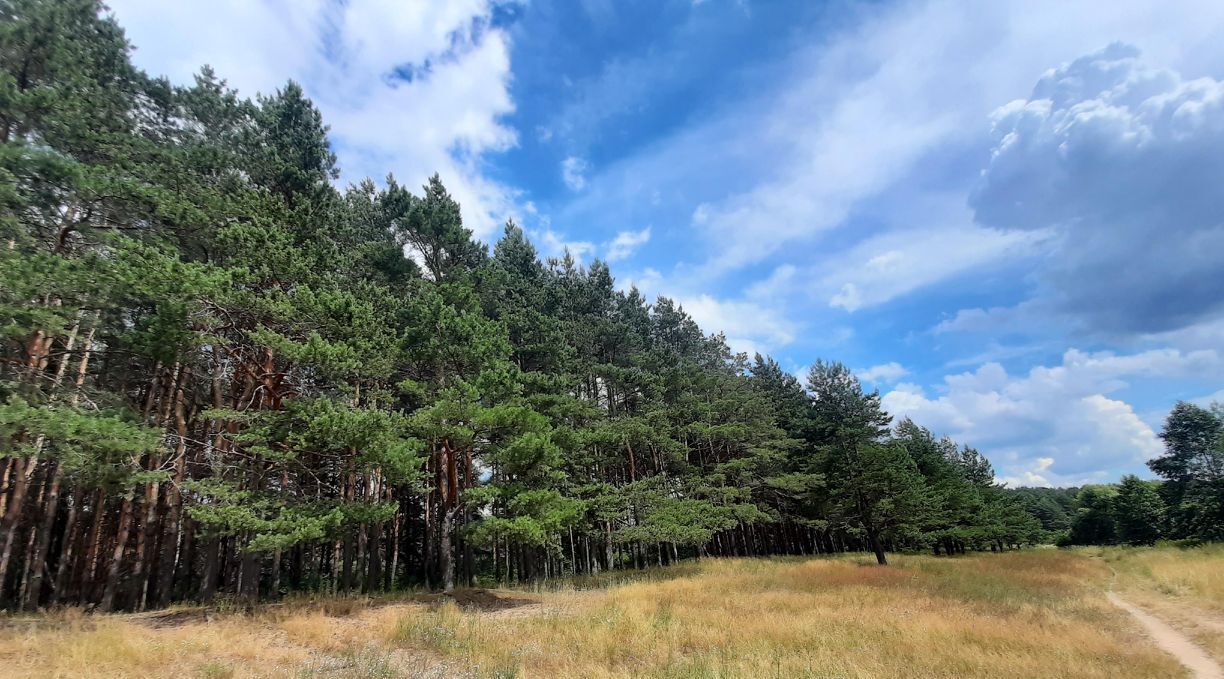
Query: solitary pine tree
874	485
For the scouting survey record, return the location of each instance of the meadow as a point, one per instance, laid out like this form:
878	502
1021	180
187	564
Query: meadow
1184	587
1036	613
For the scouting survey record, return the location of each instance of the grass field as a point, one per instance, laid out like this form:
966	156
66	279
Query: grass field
1037	613
1185	587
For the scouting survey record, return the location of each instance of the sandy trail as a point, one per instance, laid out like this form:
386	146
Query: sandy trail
1171	641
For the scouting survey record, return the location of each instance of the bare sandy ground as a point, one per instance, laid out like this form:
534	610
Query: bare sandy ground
1172	641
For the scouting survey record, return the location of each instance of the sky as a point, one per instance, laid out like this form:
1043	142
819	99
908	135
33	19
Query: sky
1006	216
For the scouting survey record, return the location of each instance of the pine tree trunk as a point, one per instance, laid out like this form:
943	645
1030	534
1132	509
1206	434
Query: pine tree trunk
9	463
373	568
172	531
248	575
335	566
276	573
393	573
873	539
446	551
32	533
16	501
141	571
67	557
184	564
33	587
113	571
346	583
212	562
86	585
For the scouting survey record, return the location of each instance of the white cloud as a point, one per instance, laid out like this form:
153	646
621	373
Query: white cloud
1210	399
626	243
1123	160
865	121
895	263
885	373
893	103
648	282
995	352
573	173
998	320
1033	476
782	281
552	244
1063	412
256	46
1207	334
750	323
748	326
443	118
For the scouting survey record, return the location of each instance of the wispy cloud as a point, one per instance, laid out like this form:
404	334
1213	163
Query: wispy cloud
573	173
884	373
626	243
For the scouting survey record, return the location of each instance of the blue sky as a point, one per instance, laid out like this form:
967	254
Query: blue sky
1006	216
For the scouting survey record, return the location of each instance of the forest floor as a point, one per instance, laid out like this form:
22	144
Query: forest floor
1035	613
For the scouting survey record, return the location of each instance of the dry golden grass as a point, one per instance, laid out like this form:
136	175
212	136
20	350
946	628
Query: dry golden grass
1021	614
1192	574
1184	586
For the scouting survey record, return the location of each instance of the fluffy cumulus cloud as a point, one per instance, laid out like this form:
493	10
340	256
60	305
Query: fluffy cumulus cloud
862	113
1056	424
866	120
1123	161
410	87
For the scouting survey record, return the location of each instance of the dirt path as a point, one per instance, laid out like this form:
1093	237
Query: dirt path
1171	641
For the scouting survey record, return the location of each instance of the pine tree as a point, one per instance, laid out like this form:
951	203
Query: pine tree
1138	511
875	486
1193	465
219	375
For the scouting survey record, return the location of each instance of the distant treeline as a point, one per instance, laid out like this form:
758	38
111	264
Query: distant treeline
1187	504
221	374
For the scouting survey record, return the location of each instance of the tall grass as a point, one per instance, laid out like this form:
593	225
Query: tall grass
1021	614
1192	573
1017	615
1184	585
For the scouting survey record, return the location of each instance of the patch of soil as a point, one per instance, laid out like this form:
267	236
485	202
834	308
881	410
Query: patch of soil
479	600
1171	641
168	619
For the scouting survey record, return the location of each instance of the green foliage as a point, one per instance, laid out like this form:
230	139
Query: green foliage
255	377
1193	466
1094	522
1139	511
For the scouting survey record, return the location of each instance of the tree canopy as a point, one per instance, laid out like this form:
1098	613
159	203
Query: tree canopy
220	373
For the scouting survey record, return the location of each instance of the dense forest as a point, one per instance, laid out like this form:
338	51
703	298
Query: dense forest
1186	504
223	375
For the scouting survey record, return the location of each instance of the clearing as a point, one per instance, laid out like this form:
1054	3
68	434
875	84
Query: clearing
1037	613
